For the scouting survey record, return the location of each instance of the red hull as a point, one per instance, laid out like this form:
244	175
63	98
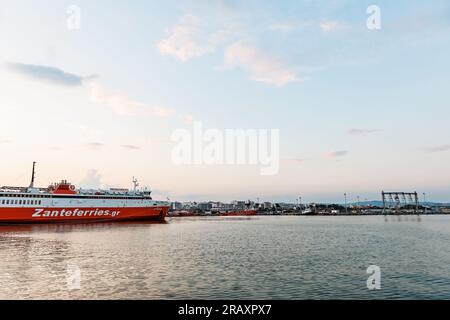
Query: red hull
239	213
71	215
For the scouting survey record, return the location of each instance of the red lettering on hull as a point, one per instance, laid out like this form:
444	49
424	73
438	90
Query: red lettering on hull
61	215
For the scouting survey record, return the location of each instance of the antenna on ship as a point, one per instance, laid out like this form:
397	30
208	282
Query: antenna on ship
135	183
33	175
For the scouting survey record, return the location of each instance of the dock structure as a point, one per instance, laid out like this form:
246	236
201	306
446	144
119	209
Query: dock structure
400	202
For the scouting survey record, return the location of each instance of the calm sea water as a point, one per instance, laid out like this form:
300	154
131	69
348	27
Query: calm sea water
229	258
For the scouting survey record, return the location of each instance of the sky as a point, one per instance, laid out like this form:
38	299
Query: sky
94	90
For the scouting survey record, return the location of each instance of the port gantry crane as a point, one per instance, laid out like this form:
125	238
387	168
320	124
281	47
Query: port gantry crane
400	202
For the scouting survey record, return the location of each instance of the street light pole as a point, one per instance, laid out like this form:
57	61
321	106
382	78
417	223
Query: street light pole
424	201
345	197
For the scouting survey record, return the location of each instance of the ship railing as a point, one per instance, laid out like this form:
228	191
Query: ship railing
113	192
20	189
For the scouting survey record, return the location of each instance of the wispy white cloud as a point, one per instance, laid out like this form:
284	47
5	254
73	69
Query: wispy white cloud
47	74
121	104
5	141
442	148
289	26
94	145
282	27
260	65
361	132
295	160
93	179
130	147
191	38
336	154
332	26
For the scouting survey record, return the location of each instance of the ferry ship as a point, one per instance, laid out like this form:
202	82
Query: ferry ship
62	202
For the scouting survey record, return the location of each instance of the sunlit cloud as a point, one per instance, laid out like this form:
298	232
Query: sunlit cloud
259	65
121	104
47	74
439	148
191	38
5	141
361	132
336	154
332	26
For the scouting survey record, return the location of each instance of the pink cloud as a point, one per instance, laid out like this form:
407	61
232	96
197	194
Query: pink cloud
260	65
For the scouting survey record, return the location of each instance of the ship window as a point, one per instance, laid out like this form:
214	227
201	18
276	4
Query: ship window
3	201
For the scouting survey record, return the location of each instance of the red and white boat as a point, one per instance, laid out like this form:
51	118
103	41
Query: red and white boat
62	202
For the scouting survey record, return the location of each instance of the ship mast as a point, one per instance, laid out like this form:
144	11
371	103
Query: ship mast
136	184
33	175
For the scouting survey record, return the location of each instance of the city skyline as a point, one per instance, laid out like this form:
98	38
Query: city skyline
95	100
